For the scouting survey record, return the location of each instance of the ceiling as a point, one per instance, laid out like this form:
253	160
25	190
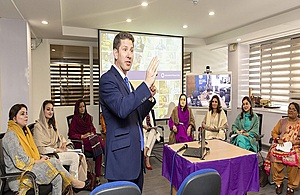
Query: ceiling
79	19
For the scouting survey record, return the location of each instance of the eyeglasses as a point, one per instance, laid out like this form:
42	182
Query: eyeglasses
214	101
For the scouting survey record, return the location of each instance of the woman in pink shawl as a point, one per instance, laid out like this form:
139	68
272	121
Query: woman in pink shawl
81	128
182	121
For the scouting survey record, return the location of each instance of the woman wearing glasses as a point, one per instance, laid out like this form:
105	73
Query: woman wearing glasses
245	127
286	131
215	120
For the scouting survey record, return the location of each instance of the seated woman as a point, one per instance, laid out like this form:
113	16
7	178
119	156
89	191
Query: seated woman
150	136
82	128
181	122
286	130
49	140
215	120
246	127
21	154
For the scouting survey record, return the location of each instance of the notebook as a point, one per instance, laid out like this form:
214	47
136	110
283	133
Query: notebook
197	152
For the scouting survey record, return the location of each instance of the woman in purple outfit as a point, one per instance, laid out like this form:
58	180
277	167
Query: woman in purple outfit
182	122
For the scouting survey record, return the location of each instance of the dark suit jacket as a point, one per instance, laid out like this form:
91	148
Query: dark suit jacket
122	112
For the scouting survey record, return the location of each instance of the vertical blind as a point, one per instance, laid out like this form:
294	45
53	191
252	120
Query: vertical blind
274	70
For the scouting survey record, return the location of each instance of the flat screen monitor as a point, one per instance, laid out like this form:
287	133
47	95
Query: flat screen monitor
201	87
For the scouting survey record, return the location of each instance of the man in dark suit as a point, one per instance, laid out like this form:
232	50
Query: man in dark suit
124	109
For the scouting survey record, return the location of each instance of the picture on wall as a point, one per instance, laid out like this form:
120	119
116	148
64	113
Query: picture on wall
201	87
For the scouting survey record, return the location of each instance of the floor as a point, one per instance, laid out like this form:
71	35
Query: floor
156	184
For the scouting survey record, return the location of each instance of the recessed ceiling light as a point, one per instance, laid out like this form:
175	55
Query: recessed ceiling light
144	4
44	22
211	13
184	26
238	39
128	20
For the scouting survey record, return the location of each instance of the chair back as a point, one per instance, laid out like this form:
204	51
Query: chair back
69	120
4	186
260	119
201	182
31	127
117	188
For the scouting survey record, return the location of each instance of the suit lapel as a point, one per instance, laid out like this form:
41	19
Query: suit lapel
120	79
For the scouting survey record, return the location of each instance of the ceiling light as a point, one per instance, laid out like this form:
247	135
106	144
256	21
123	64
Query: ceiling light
44	22
211	13
238	39
128	20
144	4
184	26
53	50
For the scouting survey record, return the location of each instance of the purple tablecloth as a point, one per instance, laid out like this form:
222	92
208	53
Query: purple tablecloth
239	175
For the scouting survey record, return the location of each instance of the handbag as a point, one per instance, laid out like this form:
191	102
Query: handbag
172	138
96	146
263	177
91	176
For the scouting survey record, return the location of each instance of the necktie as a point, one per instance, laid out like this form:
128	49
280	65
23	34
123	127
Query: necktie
127	83
140	130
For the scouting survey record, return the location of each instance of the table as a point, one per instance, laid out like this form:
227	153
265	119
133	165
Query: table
238	167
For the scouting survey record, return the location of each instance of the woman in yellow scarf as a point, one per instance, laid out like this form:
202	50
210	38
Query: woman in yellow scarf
21	154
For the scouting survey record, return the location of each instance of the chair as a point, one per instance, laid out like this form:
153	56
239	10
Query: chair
87	154
260	136
117	188
157	149
201	182
5	190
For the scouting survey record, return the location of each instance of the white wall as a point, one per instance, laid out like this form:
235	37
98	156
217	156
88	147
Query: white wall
14	65
202	56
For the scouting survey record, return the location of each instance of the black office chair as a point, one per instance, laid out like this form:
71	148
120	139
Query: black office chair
201	182
158	147
5	190
259	136
117	188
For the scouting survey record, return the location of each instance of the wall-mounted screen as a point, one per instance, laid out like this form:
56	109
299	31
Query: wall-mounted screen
201	87
168	49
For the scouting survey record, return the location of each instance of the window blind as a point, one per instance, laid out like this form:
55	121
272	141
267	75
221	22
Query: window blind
187	61
274	70
71	75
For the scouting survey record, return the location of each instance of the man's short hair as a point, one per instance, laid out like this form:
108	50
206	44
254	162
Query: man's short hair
122	36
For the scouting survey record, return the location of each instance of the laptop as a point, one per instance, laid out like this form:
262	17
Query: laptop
197	152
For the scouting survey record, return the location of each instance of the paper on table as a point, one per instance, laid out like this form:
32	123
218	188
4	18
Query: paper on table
75	150
287	146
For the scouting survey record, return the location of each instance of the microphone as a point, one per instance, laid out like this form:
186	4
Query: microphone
185	146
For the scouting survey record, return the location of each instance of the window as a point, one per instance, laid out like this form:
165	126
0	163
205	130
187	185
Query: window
274	70
72	77
187	68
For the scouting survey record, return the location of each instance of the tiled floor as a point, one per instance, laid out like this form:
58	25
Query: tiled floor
156	184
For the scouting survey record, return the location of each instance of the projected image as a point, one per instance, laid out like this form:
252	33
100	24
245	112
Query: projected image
168	49
200	89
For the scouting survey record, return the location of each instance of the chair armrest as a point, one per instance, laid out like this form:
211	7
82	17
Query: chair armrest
161	127
52	154
258	137
29	174
78	141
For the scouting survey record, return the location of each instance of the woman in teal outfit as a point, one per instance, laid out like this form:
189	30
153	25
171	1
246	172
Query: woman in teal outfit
245	127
